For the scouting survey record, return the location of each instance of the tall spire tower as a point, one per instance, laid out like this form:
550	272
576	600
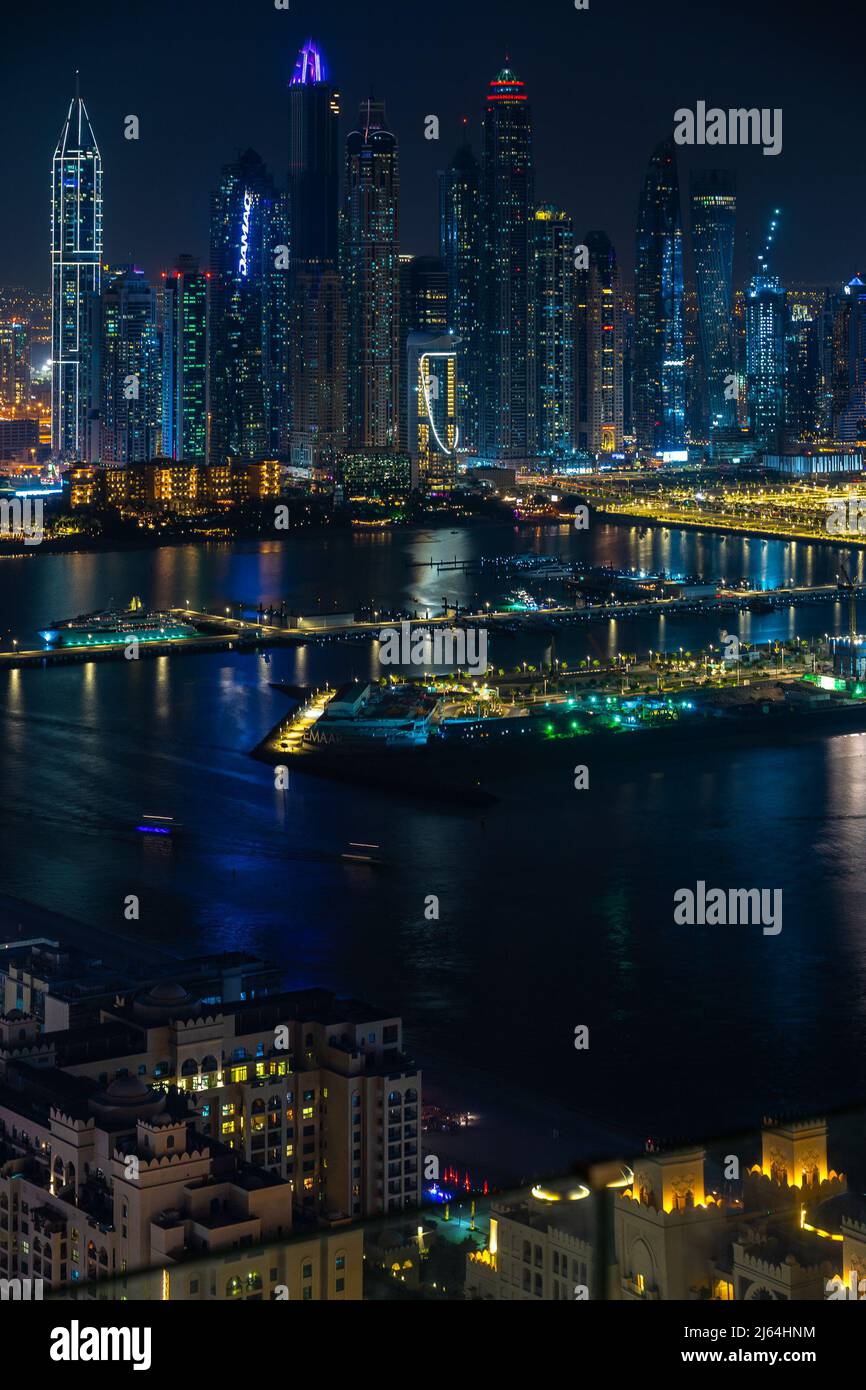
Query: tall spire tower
76	257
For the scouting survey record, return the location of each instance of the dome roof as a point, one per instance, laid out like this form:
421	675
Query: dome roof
168	992
126	1089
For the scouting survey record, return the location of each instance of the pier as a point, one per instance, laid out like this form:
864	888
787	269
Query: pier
241	634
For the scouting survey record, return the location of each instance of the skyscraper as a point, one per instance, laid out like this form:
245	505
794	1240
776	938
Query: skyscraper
184	336
659	371
317	330
248	397
551	268
314	159
423	309
14	363
76	258
714	211
803	366
507	196
766	344
371	269
129	389
600	349
460	251
432	429
848	368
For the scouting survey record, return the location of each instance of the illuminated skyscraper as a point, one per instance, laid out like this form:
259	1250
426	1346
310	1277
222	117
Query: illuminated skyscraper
714	211
76	258
371	269
847	365
600	349
317	330
551	280
185	361
433	429
766	345
248	398
460	250
659	371
423	309
14	363
804	366
129	415
314	159
508	203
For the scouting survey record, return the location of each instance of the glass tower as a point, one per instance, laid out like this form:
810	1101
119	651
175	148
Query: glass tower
600	349
76	259
766	340
184	361
248	399
714	210
552	295
372	273
460	251
508	203
659	366
129	369
317	329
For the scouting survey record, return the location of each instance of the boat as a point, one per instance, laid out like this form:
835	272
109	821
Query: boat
110	627
761	605
157	825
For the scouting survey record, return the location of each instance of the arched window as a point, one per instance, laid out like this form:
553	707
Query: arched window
190	1067
209	1064
395	1098
239	1054
411	1097
254	1281
233	1287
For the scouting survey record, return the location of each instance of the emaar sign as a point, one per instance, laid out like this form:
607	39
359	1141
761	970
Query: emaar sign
245	233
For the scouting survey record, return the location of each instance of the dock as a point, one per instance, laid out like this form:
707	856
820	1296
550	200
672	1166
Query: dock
240	634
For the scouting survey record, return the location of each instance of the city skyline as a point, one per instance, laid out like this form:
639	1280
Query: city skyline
571	171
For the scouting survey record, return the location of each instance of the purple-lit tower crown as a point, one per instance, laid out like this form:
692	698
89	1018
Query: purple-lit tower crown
314	170
310	67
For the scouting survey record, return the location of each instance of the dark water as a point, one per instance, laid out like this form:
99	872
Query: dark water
556	905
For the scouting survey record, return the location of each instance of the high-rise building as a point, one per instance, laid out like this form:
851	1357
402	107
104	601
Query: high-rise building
184	339
804	363
317	329
423	309
314	159
76	259
432	425
849	375
551	281
713	212
129	370
14	363
508	203
659	373
600	349
371	229
248	396
766	345
460	251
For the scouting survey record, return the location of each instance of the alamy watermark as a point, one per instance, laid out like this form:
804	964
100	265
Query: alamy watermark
463	648
719	907
847	516
23	516
737	126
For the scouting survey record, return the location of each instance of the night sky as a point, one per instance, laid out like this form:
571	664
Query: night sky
209	79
